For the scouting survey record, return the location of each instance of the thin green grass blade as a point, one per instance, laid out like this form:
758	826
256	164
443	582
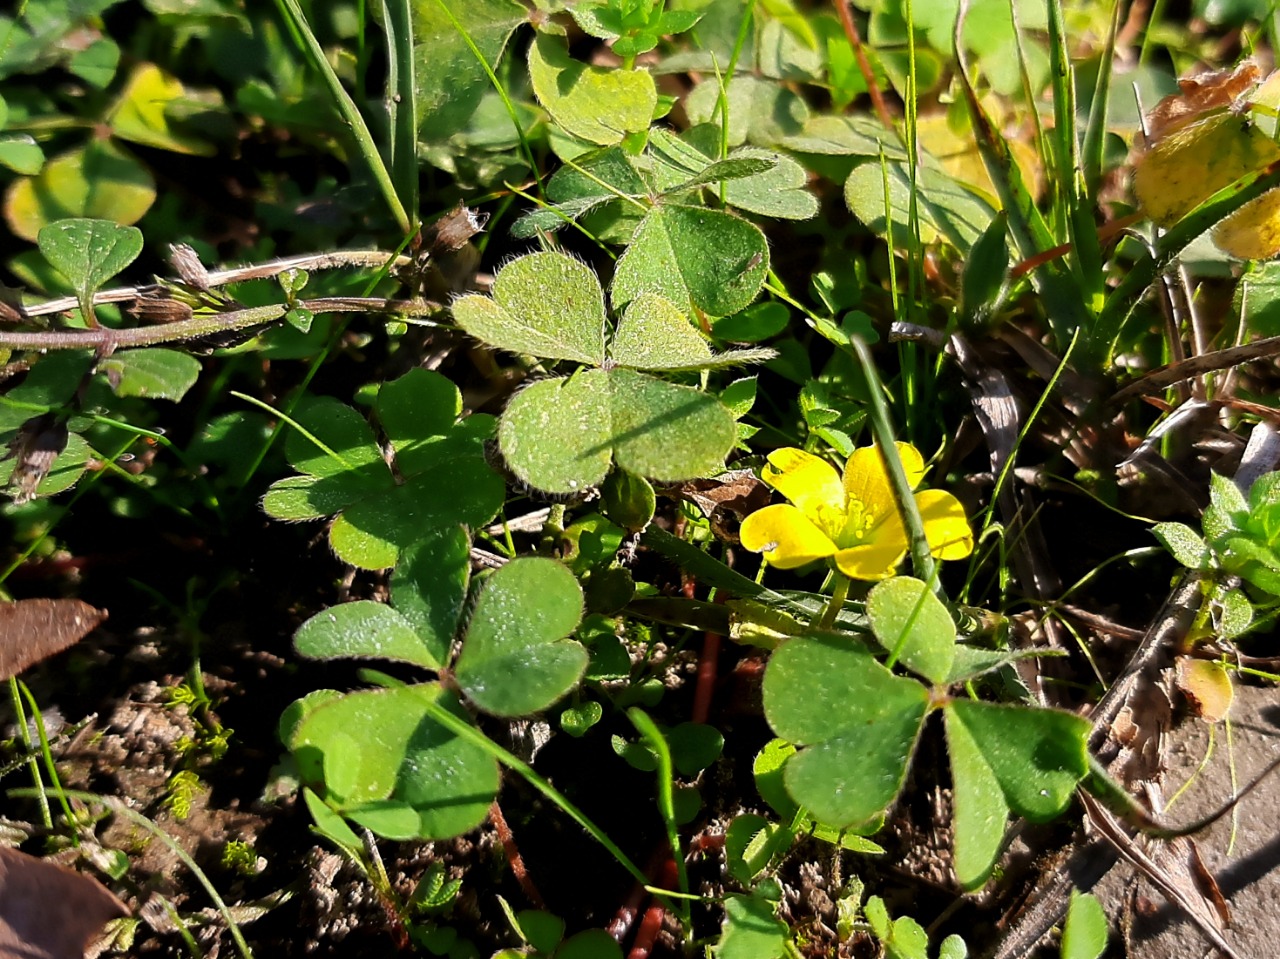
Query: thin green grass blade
1031	235
510	107
666	803
922	561
461	728
1095	133
121	808
1086	255
402	104
297	23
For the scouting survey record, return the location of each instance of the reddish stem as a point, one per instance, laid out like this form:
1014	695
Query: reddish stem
651	924
864	65
513	857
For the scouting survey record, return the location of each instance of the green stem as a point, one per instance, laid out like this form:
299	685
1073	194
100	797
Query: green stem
666	802
461	728
838	596
921	558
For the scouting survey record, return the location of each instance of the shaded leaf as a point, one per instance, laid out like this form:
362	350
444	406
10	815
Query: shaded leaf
980	812
751	930
449	82
99	181
153	373
858	721
379	744
1036	755
946	208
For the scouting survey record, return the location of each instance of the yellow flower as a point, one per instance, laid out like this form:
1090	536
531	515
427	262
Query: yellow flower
853	521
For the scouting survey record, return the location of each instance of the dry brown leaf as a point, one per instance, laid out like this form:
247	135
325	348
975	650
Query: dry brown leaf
35	629
1196	96
48	912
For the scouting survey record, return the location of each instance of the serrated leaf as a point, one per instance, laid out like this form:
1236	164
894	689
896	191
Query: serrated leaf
858	722
362	630
545	304
1037	755
156	374
516	658
597	104
709	258
911	622
980	812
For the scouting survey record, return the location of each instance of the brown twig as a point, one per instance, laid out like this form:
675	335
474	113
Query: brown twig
106	340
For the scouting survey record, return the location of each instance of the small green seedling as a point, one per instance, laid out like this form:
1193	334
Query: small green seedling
544	935
904	938
1240	542
1084	936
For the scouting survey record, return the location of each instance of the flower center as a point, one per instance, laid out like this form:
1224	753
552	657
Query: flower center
850	527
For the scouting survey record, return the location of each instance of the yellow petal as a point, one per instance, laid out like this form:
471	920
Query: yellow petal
809	482
876	560
945	525
785	536
867	482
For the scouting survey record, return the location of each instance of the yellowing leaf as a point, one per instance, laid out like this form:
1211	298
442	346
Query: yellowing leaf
1207	686
141	117
1196	161
1253	231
